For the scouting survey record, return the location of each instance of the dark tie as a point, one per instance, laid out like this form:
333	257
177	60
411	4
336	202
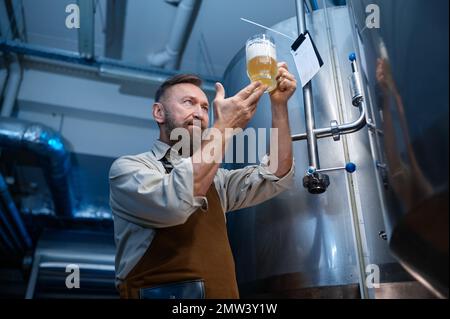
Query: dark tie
167	165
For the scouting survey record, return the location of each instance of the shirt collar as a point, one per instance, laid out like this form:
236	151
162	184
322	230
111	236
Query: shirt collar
160	150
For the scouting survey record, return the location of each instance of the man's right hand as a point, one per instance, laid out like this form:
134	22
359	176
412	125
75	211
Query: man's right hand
236	111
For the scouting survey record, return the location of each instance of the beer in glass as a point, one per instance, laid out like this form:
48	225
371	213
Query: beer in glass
262	60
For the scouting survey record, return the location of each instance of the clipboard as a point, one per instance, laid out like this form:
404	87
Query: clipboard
306	57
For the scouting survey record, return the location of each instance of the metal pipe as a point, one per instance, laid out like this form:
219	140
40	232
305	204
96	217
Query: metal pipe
32	281
116	13
104	66
7	234
12	86
86	33
19	20
3	75
5	26
313	154
342	129
170	56
308	6
11	210
53	156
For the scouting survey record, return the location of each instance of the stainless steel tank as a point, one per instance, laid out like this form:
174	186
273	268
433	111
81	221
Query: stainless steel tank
406	66
316	245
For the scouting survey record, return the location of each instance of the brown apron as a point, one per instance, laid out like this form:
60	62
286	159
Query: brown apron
197	249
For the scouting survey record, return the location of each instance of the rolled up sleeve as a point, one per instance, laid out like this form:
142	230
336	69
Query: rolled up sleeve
142	194
251	185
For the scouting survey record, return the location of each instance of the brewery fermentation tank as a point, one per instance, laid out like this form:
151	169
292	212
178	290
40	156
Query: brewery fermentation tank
406	66
301	244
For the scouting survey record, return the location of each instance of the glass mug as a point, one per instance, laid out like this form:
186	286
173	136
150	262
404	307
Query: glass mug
262	60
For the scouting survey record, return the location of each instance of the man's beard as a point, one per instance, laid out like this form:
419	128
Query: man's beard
196	124
170	123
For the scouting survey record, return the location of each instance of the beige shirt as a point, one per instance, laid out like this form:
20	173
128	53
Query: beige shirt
144	197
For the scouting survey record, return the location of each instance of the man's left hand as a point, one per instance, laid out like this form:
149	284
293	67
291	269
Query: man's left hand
286	85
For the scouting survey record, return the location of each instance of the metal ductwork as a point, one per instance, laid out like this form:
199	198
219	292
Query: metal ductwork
185	17
52	153
12	225
105	67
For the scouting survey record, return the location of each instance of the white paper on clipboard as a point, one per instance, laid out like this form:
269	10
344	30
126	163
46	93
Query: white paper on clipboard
306	57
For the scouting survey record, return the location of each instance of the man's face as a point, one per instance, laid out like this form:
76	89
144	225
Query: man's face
185	106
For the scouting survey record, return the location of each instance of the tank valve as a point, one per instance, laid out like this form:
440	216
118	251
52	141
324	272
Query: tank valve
355	83
317	182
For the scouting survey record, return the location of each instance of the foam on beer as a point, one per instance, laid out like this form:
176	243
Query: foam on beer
261	49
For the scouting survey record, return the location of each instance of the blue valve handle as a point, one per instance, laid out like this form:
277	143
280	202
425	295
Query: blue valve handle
352	56
349	167
311	170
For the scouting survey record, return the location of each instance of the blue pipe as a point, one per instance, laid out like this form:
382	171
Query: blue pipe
53	156
14	216
5	234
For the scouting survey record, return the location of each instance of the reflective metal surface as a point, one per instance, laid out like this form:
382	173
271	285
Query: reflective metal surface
327	239
56	256
406	66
